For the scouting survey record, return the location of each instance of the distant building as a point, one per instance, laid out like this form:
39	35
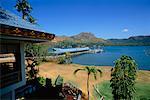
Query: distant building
59	51
14	32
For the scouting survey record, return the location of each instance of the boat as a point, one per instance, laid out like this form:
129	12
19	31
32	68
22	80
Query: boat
97	50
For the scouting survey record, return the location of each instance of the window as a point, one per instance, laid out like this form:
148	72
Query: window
10	64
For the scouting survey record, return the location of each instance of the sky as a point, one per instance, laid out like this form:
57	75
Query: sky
104	18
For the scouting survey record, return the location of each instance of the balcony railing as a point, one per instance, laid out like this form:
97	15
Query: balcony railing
9	79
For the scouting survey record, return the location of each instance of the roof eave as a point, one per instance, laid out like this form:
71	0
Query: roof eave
24	34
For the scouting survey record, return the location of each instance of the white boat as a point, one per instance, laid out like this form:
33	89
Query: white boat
97	50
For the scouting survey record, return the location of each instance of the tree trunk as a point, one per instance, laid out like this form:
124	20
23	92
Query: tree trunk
23	16
88	87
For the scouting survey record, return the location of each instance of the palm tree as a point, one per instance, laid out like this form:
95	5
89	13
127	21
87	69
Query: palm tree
24	7
31	19
89	70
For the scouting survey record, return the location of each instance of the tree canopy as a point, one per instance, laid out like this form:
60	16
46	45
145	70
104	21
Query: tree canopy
123	78
25	8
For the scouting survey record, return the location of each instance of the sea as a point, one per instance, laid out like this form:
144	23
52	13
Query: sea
141	54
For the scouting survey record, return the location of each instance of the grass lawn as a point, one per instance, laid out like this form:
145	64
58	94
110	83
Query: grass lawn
142	91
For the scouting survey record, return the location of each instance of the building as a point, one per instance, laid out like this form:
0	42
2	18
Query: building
59	51
14	33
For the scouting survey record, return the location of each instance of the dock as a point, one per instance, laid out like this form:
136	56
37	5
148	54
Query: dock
74	51
58	52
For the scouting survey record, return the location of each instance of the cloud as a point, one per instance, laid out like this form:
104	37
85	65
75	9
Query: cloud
125	30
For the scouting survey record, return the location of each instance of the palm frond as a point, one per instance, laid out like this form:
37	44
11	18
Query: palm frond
32	19
88	69
95	75
77	71
100	72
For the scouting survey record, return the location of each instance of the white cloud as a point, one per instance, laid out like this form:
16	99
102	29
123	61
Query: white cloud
125	30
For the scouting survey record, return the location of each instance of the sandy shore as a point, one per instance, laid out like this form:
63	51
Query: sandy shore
52	70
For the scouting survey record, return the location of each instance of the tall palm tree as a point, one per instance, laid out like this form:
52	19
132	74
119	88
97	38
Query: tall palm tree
24	7
89	70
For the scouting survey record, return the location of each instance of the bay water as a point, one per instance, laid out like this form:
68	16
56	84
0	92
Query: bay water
141	54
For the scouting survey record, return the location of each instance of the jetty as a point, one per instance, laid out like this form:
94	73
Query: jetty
59	52
74	51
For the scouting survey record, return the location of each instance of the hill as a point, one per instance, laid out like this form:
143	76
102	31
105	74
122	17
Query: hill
60	38
88	39
81	37
134	40
84	35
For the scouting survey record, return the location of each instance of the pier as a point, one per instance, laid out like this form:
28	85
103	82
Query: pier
74	51
57	52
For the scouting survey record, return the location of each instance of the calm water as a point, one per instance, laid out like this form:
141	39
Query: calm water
111	53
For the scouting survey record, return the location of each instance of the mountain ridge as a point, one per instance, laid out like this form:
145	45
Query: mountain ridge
83	36
88	37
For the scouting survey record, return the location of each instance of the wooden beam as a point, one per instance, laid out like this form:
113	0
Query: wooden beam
26	33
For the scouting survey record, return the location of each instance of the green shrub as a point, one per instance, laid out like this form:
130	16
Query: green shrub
37	51
42	81
68	59
65	59
59	81
61	60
